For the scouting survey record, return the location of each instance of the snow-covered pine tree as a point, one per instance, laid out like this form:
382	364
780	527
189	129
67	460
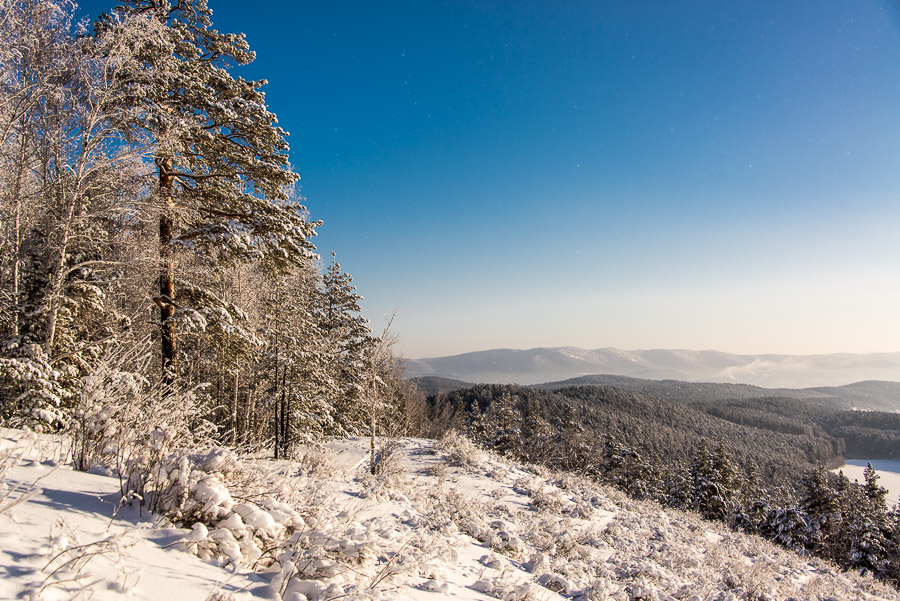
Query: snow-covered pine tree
729	479
503	426
348	343
537	434
821	503
865	530
787	526
297	396
876	493
223	177
714	482
571	449
676	488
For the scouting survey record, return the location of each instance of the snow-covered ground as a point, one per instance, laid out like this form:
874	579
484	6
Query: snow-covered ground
443	520
72	540
888	471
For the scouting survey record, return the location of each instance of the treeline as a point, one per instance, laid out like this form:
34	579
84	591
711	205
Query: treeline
866	434
767	480
665	432
674	390
871	394
150	233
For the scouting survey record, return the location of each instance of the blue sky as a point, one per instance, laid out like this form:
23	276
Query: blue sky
642	175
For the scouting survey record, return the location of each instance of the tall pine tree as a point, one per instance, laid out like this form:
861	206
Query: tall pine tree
223	177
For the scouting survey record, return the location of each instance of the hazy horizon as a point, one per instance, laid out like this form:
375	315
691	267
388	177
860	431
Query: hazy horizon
639	350
540	365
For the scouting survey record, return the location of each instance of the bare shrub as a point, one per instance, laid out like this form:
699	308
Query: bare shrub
139	429
12	494
313	461
387	461
461	451
67	568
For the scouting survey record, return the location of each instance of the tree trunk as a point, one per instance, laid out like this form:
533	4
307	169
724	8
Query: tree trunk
17	235
234	412
373	466
166	299
275	396
65	198
284	435
56	283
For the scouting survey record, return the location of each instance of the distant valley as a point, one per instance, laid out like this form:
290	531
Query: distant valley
539	365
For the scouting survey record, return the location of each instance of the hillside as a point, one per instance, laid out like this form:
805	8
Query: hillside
865	434
429	385
538	365
443	520
869	396
679	390
662	431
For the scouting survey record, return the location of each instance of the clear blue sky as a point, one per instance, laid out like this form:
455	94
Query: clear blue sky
634	174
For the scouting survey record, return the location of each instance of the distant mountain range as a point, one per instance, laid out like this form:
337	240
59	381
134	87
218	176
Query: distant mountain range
540	365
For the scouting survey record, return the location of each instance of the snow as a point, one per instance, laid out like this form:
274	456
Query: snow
441	520
72	538
888	471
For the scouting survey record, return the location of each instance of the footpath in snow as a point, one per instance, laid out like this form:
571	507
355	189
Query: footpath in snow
442	520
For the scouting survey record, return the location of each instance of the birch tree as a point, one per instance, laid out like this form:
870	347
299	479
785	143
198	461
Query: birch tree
68	175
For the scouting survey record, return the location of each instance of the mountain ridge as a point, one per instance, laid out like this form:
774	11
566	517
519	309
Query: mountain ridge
770	370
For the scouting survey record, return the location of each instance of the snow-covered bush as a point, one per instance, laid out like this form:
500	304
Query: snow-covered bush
385	456
312	461
142	432
31	392
461	451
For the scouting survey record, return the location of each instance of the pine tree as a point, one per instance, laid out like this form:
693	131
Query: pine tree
571	450
223	176
503	426
713	482
876	493
348	344
537	434
787	526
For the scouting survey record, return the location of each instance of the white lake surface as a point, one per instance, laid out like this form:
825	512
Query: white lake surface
888	471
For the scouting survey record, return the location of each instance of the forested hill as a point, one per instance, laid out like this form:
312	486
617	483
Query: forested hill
781	437
865	434
869	395
429	385
758	465
663	434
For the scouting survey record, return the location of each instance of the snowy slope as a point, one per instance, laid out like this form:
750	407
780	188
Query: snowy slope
444	520
64	542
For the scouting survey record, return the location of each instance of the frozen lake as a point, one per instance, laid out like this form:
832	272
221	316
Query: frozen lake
888	471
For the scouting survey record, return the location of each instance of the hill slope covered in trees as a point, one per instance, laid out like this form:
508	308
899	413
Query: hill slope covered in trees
757	464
